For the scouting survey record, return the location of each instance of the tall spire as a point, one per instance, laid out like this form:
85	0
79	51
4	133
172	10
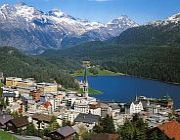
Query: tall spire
86	64
136	97
85	75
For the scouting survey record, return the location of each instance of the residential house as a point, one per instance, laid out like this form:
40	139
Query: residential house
41	121
116	109
4	118
9	98
63	133
88	119
17	124
105	110
36	94
15	107
69	115
169	130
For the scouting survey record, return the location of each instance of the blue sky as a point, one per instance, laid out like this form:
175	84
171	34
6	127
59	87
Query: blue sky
142	11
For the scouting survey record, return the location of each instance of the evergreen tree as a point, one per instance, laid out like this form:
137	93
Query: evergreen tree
127	131
98	129
86	136
53	124
153	136
106	125
31	130
139	134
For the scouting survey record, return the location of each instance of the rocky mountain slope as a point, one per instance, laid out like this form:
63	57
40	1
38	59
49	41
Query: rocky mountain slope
32	30
164	32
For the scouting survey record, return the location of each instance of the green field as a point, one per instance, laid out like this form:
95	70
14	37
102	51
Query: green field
99	72
6	136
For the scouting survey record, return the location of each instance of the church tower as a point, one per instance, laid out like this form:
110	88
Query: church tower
86	65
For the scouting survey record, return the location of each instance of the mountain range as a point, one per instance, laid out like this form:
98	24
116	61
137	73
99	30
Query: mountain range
151	50
162	32
33	31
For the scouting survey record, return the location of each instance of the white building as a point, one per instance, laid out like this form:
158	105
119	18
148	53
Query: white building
136	107
70	115
81	105
94	108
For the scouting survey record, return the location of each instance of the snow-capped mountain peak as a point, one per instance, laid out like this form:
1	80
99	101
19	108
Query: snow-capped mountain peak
123	20
123	17
32	29
56	13
7	8
174	18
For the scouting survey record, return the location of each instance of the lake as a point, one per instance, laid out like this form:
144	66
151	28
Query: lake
125	88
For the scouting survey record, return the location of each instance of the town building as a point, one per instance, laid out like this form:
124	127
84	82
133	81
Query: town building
136	107
81	105
88	119
19	82
165	101
94	108
17	124
4	118
10	95
47	87
41	121
105	110
168	130
69	115
63	133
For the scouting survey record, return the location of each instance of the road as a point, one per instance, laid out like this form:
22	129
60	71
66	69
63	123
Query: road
27	137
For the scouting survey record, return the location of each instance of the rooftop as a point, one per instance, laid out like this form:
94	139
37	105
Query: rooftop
20	121
42	117
66	131
87	118
171	129
8	94
5	118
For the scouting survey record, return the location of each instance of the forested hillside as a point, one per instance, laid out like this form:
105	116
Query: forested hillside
14	63
152	61
150	51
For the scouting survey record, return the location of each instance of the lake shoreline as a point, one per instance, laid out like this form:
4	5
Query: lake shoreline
145	78
125	88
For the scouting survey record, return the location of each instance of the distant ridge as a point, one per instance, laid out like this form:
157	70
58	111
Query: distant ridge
34	31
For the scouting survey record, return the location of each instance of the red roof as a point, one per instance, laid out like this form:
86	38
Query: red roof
171	129
47	104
